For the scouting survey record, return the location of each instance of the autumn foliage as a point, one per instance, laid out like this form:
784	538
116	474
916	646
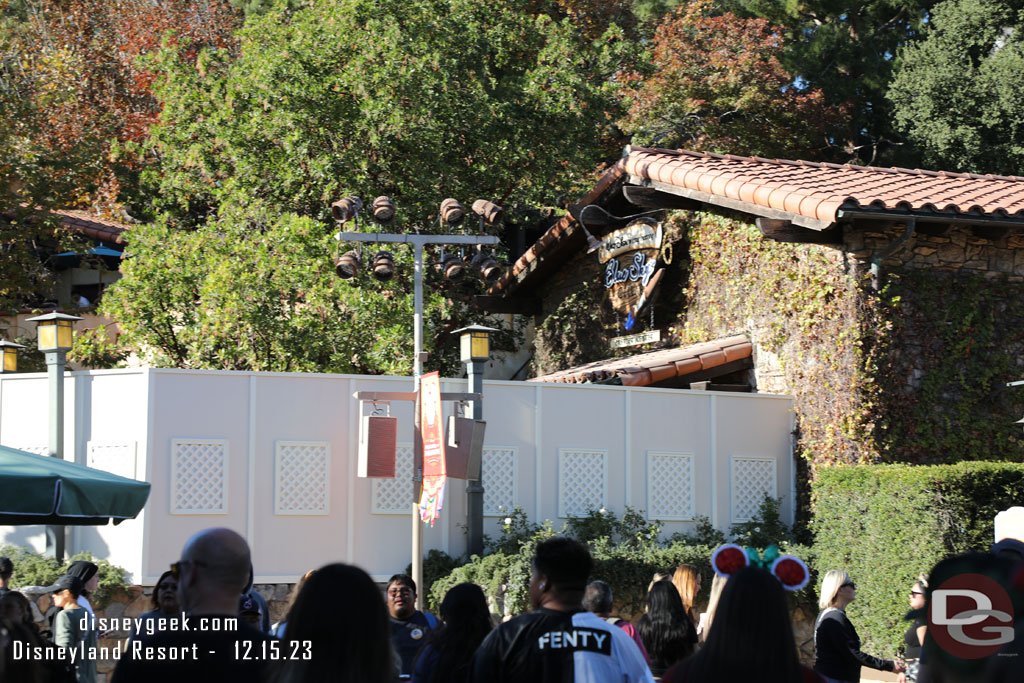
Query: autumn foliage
715	83
80	70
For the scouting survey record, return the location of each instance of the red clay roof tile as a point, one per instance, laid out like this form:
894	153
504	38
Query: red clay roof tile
819	190
657	366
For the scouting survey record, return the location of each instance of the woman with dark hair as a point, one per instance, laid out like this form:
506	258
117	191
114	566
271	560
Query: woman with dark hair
278	629
751	638
666	630
340	619
448	654
73	627
89	573
165	606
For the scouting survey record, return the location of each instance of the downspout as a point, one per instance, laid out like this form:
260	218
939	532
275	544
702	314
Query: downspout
876	260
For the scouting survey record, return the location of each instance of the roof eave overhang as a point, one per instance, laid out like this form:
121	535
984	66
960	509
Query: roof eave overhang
930	217
733	204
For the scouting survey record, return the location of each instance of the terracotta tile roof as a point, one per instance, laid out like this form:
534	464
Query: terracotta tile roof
657	366
92	226
819	190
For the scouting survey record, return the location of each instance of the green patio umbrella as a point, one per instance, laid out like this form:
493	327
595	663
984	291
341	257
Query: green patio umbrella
35	489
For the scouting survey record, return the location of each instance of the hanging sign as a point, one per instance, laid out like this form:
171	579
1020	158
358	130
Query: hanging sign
630	255
432	438
648	337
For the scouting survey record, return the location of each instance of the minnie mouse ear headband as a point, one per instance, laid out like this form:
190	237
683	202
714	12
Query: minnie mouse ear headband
790	570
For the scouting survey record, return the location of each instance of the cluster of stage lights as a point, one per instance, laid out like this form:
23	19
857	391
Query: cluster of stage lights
382	266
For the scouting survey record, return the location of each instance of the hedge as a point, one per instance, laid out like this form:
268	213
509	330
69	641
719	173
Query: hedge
36	569
886	524
627	552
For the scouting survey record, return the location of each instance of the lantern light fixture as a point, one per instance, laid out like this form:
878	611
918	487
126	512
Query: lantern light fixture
55	331
475	343
9	356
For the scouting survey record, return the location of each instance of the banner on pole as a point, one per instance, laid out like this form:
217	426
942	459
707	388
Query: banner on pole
432	438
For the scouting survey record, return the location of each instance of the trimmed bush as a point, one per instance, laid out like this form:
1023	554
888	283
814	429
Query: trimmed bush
885	524
35	569
626	553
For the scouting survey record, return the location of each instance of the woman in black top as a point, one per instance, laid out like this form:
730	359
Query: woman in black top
448	654
667	632
836	643
914	637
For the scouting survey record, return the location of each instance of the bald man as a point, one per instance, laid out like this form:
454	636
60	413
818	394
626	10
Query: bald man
209	642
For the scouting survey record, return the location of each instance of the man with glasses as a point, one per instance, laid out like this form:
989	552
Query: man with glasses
409	626
210	643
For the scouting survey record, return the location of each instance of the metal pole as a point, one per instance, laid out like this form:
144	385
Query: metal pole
475	487
417	461
55	373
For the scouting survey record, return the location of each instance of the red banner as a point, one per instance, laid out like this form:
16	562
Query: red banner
432	438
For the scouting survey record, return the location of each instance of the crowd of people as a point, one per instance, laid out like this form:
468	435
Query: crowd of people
208	624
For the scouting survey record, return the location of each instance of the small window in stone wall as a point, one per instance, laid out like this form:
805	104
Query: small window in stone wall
199	477
582	481
752	479
394	496
302	474
499	478
670	486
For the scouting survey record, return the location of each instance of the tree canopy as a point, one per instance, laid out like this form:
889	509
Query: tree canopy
419	100
716	83
957	93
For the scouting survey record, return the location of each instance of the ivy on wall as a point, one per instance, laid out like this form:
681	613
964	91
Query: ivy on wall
913	373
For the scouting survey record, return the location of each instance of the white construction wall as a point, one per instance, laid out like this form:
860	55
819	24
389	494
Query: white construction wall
273	456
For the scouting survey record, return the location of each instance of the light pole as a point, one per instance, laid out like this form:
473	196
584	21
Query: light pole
9	356
475	351
55	334
451	214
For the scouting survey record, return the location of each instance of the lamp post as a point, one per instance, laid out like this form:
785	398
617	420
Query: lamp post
9	356
55	333
452	213
475	351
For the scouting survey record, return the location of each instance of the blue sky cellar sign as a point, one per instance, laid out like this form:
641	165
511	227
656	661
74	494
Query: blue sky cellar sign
631	274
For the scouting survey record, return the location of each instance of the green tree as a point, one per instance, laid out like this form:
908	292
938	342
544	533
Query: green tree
957	91
847	50
418	100
251	290
715	83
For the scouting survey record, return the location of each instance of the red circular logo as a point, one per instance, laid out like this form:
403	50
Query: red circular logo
970	616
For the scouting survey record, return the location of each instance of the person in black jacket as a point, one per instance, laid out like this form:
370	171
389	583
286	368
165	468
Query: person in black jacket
836	643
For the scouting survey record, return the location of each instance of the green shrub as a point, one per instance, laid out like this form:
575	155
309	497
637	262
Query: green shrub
35	569
885	524
626	554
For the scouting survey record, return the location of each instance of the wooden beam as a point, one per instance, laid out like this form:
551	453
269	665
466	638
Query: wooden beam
650	198
526	305
782	230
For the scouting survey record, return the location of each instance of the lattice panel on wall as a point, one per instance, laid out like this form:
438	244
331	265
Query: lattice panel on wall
752	479
302	472
499	476
33	448
199	476
582	481
393	496
670	486
116	458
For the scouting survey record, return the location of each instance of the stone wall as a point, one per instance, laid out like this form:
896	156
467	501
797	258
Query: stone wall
960	249
134	602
